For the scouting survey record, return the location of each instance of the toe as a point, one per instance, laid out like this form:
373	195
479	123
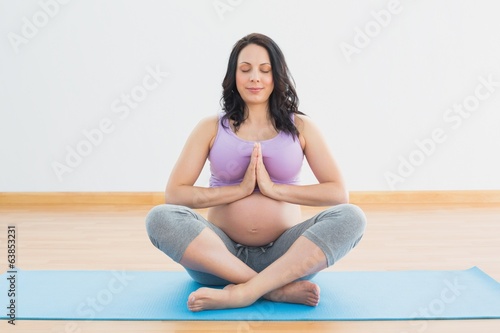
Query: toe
193	303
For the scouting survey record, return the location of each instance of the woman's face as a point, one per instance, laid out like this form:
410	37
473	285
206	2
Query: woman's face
254	77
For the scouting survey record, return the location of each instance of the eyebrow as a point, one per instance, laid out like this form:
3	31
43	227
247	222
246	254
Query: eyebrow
247	63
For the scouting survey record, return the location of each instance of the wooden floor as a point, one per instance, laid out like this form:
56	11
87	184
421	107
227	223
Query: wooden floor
113	237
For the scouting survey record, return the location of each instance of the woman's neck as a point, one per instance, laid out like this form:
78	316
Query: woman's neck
258	114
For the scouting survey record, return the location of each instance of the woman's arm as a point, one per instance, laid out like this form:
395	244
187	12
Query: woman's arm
180	189
330	189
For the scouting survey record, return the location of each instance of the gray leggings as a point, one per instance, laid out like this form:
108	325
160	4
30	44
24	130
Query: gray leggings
335	231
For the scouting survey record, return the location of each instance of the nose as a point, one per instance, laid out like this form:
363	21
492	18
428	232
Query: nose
254	76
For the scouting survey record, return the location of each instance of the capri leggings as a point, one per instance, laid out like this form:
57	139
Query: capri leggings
335	231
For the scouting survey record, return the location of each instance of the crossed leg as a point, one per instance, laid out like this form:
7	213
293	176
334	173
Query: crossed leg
337	230
207	253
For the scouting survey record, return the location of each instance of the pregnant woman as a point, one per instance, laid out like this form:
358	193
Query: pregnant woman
253	240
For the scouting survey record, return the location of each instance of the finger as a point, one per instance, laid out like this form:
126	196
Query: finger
261	157
252	166
255	154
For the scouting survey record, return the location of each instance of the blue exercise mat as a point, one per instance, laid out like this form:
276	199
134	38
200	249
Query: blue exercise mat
139	295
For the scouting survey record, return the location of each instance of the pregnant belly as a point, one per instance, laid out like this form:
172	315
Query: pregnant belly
255	220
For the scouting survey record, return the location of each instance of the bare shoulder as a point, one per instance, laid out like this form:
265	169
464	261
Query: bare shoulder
305	123
306	127
208	124
206	129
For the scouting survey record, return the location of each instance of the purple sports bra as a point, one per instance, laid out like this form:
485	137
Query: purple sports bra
230	156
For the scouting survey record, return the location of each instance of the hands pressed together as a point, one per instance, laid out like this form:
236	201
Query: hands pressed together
257	174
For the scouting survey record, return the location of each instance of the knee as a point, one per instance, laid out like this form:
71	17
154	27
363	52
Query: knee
155	218
337	230
351	216
355	217
159	217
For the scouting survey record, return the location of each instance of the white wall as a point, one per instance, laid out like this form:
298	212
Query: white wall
66	65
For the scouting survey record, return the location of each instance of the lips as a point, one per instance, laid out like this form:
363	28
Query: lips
254	90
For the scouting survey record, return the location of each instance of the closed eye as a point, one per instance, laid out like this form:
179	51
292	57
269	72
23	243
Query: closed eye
265	68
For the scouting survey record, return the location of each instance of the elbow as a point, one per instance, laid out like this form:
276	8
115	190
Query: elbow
345	197
174	200
340	196
178	196
332	195
170	197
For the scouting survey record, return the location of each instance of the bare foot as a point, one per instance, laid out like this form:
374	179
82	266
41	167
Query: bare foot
232	296
299	292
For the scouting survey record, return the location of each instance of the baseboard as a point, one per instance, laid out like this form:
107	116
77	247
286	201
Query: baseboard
426	197
154	198
82	198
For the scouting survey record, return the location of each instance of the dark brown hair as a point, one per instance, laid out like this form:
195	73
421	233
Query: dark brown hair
283	101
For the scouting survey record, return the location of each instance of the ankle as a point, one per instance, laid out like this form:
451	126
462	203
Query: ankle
245	292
